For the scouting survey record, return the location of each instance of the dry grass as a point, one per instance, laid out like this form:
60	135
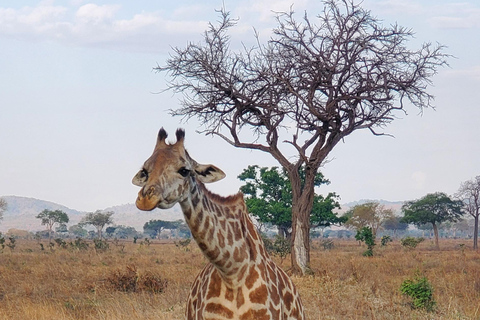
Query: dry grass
70	284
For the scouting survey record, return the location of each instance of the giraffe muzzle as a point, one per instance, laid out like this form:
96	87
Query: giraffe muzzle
147	200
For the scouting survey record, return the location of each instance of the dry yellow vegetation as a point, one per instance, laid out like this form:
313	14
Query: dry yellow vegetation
72	284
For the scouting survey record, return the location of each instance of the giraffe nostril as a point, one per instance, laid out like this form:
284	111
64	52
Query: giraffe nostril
150	192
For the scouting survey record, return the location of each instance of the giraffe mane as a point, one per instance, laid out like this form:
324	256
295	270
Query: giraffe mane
221	199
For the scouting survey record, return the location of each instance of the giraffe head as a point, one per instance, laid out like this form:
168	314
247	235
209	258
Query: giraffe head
167	175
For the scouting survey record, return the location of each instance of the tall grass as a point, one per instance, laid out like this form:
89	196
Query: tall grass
80	284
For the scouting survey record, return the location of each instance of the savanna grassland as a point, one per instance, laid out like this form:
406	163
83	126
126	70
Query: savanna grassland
133	281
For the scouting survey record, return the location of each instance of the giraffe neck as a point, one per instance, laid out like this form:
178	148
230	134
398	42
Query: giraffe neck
223	231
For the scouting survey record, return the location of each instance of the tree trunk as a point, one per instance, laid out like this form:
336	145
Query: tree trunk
302	203
475	234
435	232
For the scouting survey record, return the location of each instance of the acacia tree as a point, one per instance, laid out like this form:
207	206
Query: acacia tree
98	219
395	224
268	194
434	208
52	217
155	227
469	194
368	215
314	82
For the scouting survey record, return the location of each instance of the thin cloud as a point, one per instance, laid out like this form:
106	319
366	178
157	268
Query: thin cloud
457	16
96	25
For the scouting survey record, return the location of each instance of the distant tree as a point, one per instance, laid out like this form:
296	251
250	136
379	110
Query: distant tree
469	194
370	214
434	208
98	219
155	227
316	80
3	207
269	198
110	230
124	232
49	218
394	224
78	231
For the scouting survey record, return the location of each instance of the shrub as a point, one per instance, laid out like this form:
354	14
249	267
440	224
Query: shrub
385	240
327	244
183	244
411	242
101	245
2	241
132	281
421	291
79	244
11	243
61	243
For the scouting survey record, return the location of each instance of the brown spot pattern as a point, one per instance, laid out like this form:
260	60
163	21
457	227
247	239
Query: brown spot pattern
215	286
251	278
255	315
219	309
259	295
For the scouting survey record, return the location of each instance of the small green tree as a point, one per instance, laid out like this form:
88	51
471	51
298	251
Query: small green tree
98	219
365	234
50	218
434	208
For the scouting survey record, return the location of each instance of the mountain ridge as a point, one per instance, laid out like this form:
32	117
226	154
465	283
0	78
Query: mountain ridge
22	211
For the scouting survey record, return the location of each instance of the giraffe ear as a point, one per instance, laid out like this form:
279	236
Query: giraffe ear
207	173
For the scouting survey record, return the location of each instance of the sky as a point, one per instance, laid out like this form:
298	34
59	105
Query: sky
80	103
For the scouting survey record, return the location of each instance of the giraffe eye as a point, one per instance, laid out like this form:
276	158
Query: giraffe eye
143	174
184	172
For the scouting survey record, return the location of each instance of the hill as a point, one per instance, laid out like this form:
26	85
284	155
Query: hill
396	206
21	213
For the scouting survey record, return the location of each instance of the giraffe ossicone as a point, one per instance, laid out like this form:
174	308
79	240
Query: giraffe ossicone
241	281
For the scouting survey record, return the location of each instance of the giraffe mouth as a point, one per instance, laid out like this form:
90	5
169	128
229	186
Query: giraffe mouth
150	201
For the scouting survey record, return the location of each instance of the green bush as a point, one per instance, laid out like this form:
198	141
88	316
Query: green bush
101	245
385	240
411	242
421	291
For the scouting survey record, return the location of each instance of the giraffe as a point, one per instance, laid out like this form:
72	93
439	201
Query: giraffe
241	281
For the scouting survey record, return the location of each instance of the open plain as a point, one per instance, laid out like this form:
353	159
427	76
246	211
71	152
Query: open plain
152	281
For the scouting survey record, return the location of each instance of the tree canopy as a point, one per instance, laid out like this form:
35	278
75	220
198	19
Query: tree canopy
155	227
315	81
371	214
98	219
49	218
434	208
269	198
